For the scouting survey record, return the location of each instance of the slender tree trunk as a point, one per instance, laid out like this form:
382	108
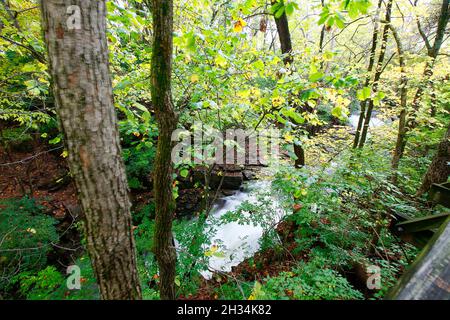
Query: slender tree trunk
164	249
79	66
411	121
403	105
286	48
373	51
439	170
378	72
285	37
433	52
442	26
322	36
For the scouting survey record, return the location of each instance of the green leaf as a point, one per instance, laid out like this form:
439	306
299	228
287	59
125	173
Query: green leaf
296	117
364	94
340	23
330	21
122	84
184	173
280	12
275	7
140	107
337	112
381	95
190	41
322	19
259	64
289	8
316	76
29	68
353	12
55	140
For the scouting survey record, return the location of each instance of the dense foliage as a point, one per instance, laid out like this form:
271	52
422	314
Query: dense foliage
230	72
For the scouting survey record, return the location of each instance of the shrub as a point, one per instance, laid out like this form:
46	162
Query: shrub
39	286
17	139
234	290
50	284
147	211
27	235
139	162
138	134
307	282
89	288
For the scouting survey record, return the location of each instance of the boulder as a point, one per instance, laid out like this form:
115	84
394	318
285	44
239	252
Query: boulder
229	180
249	175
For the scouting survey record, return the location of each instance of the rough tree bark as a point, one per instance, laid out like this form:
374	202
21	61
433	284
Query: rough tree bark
439	170
79	67
162	11
378	72
373	51
286	49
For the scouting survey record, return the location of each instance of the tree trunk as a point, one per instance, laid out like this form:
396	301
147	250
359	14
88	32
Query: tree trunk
439	169
164	249
286	49
285	37
378	72
433	52
442	26
411	120
79	67
403	105
300	154
373	51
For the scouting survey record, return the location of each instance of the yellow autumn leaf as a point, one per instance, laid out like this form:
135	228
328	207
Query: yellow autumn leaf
195	78
289	138
221	61
243	94
255	92
210	252
278	101
239	25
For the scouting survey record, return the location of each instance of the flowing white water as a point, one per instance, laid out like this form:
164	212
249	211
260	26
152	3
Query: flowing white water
374	121
235	242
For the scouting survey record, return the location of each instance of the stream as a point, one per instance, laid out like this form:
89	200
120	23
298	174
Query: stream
236	242
375	122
